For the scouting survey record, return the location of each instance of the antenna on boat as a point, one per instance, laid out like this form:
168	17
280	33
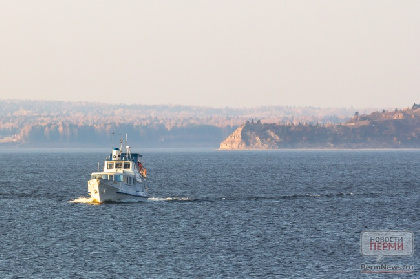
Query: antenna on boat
126	136
127	148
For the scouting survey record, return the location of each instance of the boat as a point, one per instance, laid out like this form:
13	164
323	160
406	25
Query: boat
123	178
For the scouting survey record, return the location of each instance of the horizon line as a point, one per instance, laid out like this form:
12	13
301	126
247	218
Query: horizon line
198	106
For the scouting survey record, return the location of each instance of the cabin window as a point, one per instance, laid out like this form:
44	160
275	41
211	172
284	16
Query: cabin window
111	178
118	165
110	166
104	176
118	178
127	165
128	180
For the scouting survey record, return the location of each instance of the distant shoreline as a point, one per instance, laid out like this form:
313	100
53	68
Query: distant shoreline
193	149
323	149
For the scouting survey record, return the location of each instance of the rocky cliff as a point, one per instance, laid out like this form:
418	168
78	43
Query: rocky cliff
234	140
396	129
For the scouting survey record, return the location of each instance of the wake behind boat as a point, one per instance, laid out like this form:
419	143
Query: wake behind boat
123	178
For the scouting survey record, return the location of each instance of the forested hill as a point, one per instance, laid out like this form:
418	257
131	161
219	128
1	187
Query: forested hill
66	124
386	129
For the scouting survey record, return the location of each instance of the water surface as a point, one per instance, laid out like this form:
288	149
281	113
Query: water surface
232	214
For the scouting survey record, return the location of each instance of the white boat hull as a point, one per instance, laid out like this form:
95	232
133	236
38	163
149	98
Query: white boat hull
108	191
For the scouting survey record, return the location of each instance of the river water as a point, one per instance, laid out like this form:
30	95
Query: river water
212	214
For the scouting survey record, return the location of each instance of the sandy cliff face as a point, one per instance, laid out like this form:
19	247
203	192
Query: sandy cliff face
399	129
234	141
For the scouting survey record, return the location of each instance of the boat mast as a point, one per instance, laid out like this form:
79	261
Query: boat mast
127	148
126	143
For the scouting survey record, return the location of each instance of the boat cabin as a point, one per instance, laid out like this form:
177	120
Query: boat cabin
119	161
115	178
118	165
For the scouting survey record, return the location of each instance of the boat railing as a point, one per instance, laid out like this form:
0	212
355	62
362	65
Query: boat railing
110	177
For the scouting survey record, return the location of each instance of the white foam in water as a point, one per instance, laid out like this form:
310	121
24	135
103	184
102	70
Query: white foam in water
83	200
169	199
92	201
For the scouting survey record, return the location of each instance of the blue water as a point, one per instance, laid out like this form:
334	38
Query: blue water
214	214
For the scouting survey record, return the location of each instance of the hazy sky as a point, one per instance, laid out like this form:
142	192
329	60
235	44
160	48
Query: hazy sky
237	53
